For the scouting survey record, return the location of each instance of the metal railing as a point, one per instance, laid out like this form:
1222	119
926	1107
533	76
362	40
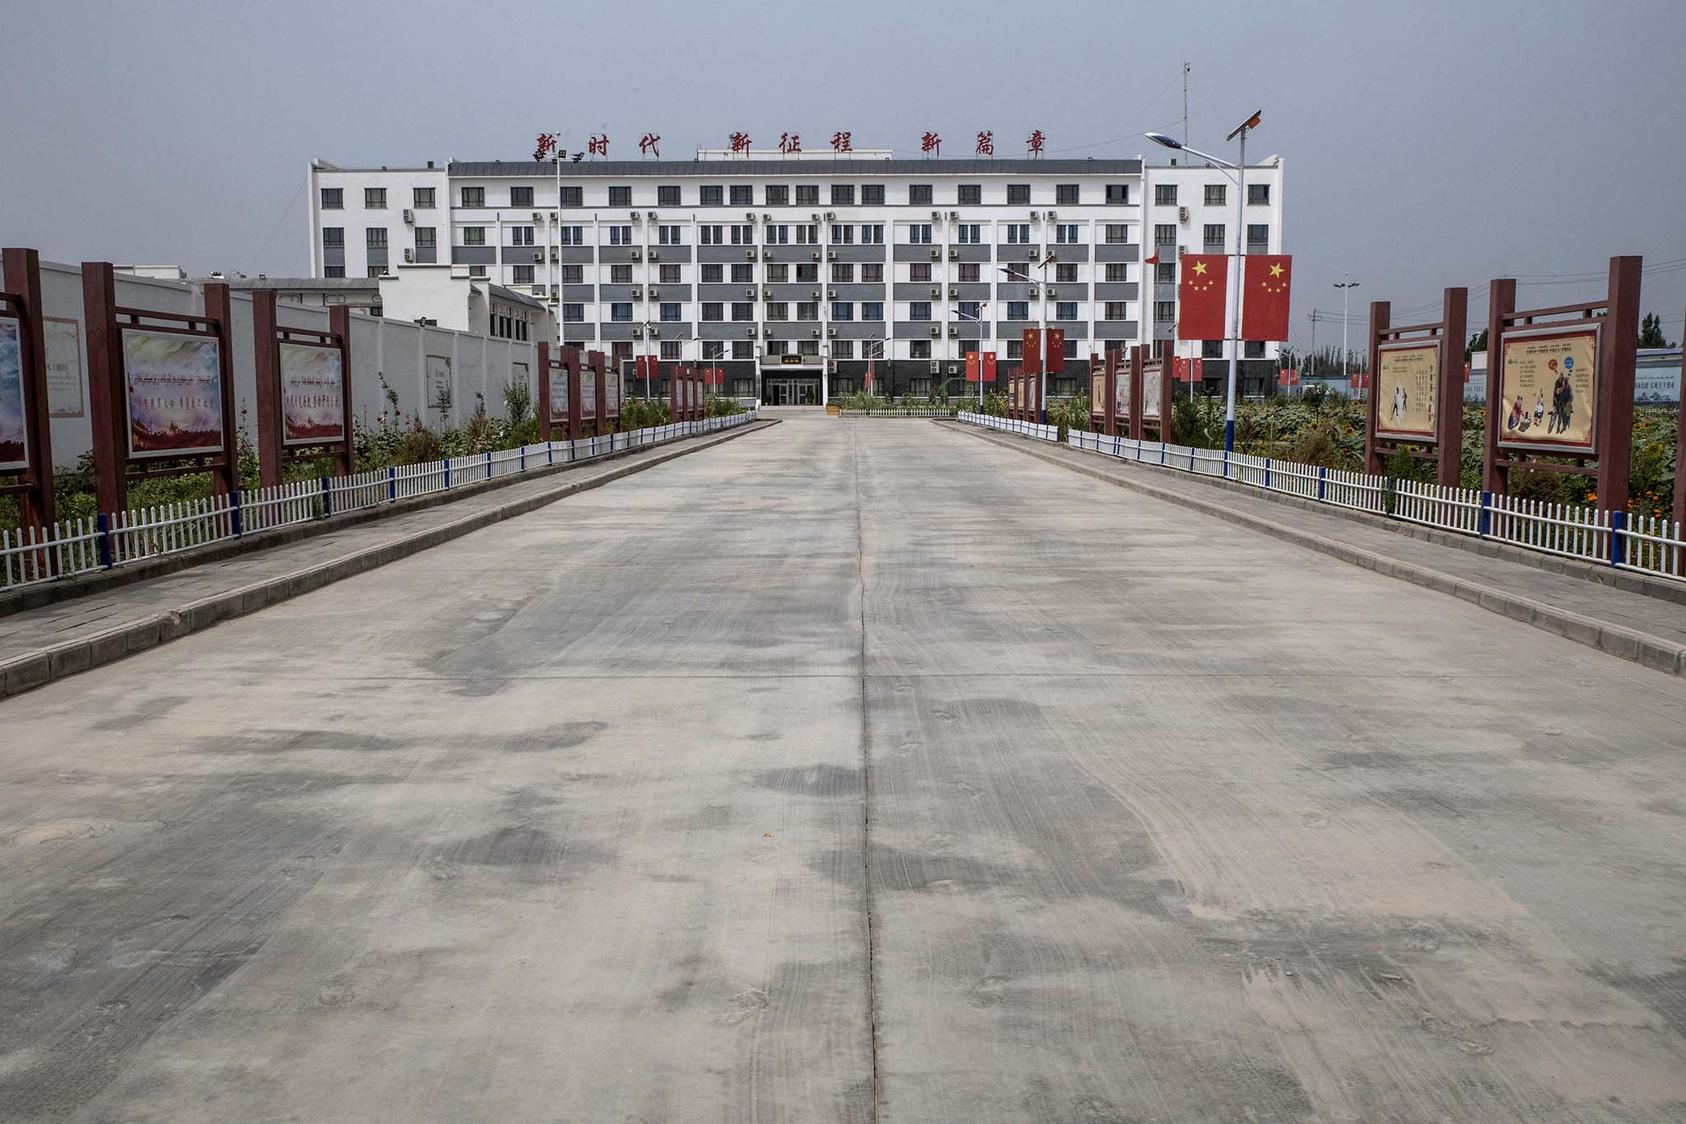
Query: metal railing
1633	541
80	546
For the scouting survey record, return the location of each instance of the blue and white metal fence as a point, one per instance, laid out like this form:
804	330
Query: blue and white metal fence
80	546
1629	540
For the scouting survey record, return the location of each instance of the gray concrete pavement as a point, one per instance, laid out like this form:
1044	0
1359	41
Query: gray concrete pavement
596	814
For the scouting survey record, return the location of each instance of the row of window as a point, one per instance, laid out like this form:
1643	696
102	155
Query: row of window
742	312
1165	194
1213	237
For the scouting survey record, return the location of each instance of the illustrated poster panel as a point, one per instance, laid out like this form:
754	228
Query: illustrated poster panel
14	433
439	384
312	395
1407	379
1153	388
1097	394
1121	393
612	392
64	367
175	393
1548	383
588	395
559	394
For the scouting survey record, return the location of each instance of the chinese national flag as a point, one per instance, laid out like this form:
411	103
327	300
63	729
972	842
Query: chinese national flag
1264	305
1056	350
1031	363
639	367
1201	292
971	366
989	367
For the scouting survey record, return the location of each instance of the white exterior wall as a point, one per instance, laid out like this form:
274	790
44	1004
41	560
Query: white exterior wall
354	218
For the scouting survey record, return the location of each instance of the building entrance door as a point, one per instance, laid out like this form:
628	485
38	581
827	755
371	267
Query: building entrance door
790	392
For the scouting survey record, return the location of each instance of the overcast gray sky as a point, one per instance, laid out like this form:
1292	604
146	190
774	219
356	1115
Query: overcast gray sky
1427	144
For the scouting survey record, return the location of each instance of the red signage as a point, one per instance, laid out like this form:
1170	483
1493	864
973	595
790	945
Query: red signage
1056	350
840	142
1032	361
1264	293
1201	292
1035	142
598	144
986	144
648	144
930	144
989	367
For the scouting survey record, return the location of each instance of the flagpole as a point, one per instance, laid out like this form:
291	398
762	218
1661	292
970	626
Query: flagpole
1235	293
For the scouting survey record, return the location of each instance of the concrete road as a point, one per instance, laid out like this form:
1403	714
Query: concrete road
849	771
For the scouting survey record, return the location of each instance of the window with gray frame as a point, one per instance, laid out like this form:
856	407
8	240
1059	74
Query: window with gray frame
842	195
743	310
1165	195
1068	194
919	195
1213	235
573	313
572	196
742	272
375	237
1065	272
1117	193
969	194
520	196
620	195
778	194
620	274
473	197
523	275
1258	193
573	274
1258	236
672	311
1165	272
713	311
919	310
1117	233
333	237
872	310
621	312
1117	310
1019	194
1211	349
713	273
421	198
1164	310
333	271
667	195
374	198
1216	193
333	198
872	194
743	195
1065	310
711	195
1252	349
1165	234
1018	310
807	195
427	238
1117	271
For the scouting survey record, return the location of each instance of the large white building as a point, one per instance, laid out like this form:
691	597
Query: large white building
793	272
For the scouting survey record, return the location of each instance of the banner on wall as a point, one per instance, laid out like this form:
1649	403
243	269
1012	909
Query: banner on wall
588	395
312	395
612	394
439	383
14	432
1548	384
64	367
1121	394
1407	379
1153	389
174	386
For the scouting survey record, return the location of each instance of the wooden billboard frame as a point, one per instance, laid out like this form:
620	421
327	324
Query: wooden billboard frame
105	321
565	358
1615	319
1447	336
1149	362
20	300
267	337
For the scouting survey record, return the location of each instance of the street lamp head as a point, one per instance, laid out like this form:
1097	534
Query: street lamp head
1167	141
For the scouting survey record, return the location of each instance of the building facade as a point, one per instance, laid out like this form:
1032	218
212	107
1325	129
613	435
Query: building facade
799	273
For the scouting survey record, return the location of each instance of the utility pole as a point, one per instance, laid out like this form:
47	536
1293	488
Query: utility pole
1346	361
1185	105
1311	356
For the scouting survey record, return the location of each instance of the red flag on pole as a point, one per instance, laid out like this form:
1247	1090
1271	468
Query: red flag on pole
869	376
1031	363
1056	350
971	366
989	367
1264	304
1201	292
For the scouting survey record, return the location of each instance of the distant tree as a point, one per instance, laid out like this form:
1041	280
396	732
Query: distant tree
1477	342
1651	332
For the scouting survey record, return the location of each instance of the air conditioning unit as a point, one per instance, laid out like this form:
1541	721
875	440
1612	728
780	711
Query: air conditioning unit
637	254
936	290
554	216
953	368
655	254
954	329
637	333
538	216
953	254
830	216
1052	216
1181	250
409	255
831	294
767	331
953	292
766	218
831	255
1031	253
635	216
1182	214
555	254
816	332
766	294
1053	292
937	215
1034	215
766	255
749	216
815	254
936	368
815	216
936	331
654	331
1033	292
750	253
749	331
831	332
538	256
816	294
654	292
409	215
651	215
936	254
953	215
637	293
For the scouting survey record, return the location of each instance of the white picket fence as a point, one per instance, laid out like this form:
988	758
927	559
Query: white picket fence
80	546
1632	541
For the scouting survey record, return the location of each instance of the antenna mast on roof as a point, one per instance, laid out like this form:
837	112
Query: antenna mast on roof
1185	105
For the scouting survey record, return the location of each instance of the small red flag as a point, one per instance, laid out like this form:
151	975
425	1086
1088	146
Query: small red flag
1201	292
1154	260
1264	306
1031	363
1056	350
971	366
989	367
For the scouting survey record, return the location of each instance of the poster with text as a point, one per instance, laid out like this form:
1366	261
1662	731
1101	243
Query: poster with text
1097	394
559	394
612	392
312	395
14	434
1153	389
588	395
1407	380
175	393
64	367
1121	394
1548	382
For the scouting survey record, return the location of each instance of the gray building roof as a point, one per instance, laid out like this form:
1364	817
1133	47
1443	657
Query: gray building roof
514	297
302	284
796	169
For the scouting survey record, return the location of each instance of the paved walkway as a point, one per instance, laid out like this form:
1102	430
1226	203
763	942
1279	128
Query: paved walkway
73	635
1646	628
849	771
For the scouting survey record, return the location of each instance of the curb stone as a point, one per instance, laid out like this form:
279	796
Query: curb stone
1652	652
38	668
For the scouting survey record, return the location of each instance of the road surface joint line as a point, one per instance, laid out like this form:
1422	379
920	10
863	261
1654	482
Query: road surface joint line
866	790
51	662
1617	640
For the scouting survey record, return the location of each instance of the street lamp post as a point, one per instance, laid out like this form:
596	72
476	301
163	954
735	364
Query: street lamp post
1240	169
979	321
1346	364
1042	333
